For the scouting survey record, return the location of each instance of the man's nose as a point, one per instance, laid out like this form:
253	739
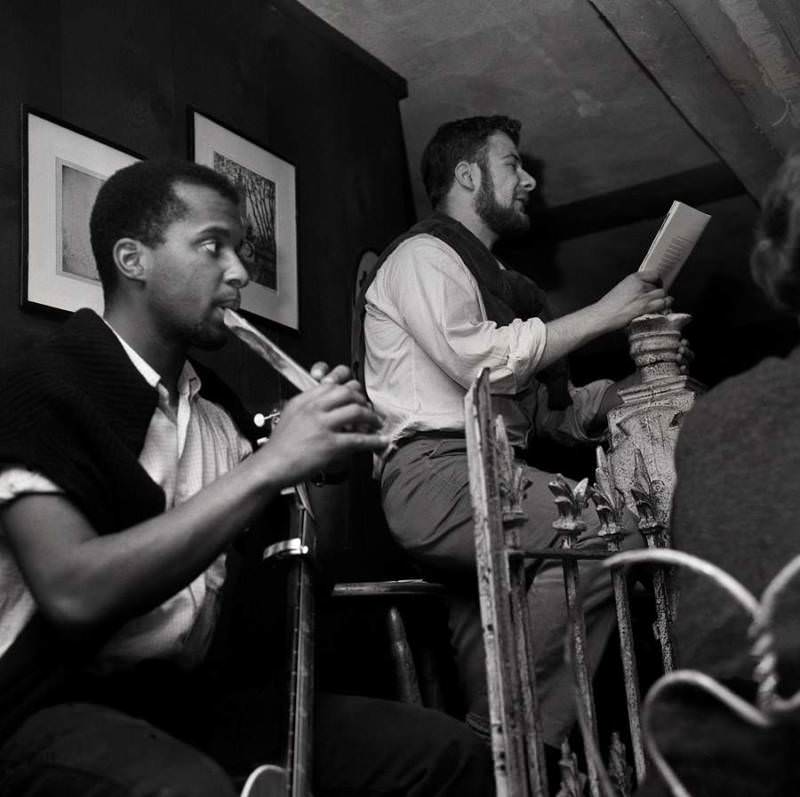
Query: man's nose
527	181
236	274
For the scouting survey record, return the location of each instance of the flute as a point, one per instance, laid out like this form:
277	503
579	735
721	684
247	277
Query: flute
285	365
264	347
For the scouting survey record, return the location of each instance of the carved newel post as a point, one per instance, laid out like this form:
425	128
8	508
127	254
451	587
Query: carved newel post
650	415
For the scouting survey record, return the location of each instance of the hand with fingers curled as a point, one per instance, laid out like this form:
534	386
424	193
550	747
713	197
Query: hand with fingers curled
635	295
341	375
322	426
685	356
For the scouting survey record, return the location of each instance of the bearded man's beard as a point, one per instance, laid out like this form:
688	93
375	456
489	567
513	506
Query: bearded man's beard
502	221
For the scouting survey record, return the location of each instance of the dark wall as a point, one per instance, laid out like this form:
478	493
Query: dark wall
127	71
579	252
732	326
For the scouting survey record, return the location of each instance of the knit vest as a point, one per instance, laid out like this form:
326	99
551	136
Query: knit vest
77	410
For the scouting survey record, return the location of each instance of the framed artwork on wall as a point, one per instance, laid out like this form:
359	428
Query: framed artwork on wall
267	185
62	171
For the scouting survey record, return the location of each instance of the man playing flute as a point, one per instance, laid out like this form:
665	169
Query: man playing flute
126	475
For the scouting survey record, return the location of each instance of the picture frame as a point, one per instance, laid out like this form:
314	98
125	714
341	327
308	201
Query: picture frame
267	182
63	168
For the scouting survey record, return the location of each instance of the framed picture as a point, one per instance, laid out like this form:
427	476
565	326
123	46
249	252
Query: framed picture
62	171
266	182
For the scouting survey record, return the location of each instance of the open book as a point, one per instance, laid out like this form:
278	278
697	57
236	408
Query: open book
674	242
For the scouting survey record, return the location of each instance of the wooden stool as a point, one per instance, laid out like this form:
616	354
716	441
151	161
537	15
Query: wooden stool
408	669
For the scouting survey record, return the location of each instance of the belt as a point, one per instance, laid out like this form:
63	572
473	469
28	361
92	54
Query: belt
444	434
433	434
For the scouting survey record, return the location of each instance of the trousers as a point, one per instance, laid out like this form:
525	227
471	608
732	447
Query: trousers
185	742
426	501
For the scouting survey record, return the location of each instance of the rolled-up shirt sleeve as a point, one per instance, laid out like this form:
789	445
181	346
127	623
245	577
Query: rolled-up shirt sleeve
440	306
16	481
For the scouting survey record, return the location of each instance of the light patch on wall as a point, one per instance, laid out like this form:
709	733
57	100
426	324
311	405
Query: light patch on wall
587	105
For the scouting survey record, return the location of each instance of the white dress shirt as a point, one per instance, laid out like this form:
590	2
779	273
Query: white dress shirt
185	448
428	338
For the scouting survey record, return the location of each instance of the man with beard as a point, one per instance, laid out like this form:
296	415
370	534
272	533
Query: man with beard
436	310
127	477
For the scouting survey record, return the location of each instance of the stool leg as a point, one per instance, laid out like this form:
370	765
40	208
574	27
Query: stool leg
430	685
405	672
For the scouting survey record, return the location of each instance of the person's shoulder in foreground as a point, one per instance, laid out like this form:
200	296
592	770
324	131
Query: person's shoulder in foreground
735	505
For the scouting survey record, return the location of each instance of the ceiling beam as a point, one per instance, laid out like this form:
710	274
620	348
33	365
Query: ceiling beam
749	43
668	51
651	200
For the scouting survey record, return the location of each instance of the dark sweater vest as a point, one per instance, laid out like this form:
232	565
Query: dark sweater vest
506	295
76	410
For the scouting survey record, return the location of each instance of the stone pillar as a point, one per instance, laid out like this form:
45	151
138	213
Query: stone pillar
650	415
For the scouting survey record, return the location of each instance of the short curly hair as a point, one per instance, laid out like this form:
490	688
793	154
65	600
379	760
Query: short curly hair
775	260
139	202
460	140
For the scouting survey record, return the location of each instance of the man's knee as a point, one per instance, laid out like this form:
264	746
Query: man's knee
384	747
51	779
74	749
453	757
470	757
191	775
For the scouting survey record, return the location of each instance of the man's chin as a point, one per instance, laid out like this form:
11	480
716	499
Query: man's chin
209	339
506	222
523	221
209	345
515	225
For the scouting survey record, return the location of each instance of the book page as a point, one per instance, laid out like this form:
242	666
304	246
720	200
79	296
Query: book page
674	242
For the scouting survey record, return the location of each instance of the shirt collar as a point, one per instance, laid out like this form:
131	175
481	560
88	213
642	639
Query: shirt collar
188	382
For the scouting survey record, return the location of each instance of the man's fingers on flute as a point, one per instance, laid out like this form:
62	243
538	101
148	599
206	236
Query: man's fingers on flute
355	386
328	396
337	376
353	416
319	370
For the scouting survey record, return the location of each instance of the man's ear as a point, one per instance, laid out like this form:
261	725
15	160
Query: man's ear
131	258
467	175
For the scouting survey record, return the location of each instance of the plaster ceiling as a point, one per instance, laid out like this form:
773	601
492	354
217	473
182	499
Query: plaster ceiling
590	113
